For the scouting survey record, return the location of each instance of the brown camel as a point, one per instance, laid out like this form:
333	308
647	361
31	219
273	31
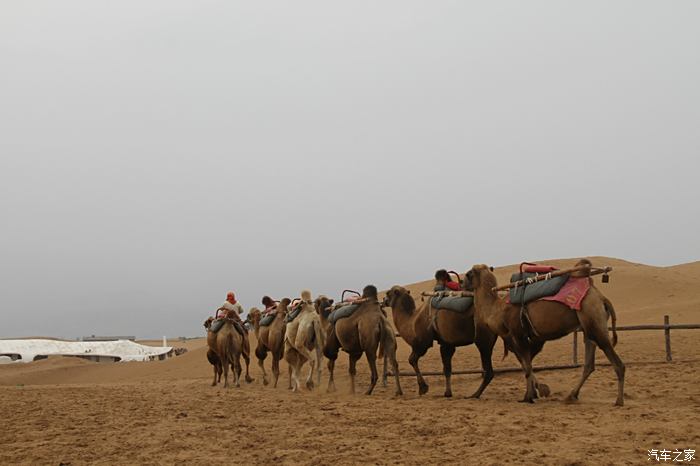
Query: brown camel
227	343
550	320
365	331
305	334
450	329
245	353
271	339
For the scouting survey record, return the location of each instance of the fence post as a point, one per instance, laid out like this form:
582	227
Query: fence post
667	335
575	347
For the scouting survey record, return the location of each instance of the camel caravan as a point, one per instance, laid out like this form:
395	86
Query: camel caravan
539	304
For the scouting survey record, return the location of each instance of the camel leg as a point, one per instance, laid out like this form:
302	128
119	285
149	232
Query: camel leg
353	370
310	377
261	363
484	343
248	378
216	372
588	368
289	377
237	369
446	352
331	382
225	367
275	370
372	361
530	391
384	367
542	388
605	344
395	368
416	354
319	361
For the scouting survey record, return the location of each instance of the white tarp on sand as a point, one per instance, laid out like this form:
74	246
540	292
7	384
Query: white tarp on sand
124	349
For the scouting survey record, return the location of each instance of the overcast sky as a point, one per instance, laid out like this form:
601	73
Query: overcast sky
155	154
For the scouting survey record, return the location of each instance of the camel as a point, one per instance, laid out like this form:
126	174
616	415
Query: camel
215	361
550	320
227	343
450	329
303	335
365	331
271	339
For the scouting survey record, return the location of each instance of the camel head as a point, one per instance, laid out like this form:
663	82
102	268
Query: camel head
370	291
306	296
480	276
283	305
322	304
207	323
254	315
395	295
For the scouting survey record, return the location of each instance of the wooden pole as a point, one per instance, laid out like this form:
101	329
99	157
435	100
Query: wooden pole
575	346
667	335
459	294
557	273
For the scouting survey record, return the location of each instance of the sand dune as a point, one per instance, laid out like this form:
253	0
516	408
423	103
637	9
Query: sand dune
72	410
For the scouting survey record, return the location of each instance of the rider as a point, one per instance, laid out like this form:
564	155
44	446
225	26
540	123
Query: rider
444	279
270	305
231	308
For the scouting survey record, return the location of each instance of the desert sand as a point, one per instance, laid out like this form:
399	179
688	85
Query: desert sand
66	410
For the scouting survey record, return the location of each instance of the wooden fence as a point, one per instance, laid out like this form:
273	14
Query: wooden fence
666	327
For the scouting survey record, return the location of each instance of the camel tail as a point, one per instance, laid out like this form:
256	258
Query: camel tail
381	338
228	349
387	340
318	332
505	350
611	310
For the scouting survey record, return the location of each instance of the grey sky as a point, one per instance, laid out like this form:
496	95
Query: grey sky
154	155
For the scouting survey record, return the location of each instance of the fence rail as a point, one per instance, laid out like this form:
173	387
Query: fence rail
666	327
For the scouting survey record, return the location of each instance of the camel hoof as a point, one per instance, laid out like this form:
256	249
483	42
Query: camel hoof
265	381
571	399
398	393
249	379
619	403
544	390
310	385
422	389
527	400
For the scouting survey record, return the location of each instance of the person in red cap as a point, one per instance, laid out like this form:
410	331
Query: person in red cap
231	308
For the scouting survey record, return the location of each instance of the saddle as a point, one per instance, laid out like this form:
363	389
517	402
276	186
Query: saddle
342	312
450	303
216	325
533	291
293	314
268	319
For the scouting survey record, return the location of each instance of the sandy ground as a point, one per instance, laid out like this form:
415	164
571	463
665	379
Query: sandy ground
73	411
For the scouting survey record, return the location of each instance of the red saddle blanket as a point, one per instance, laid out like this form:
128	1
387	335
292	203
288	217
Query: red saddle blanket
572	293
